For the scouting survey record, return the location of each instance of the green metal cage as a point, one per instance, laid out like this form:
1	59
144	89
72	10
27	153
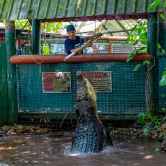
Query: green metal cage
126	98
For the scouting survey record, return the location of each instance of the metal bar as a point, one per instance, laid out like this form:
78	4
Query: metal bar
35	59
11	71
152	49
3	86
162	35
162	59
35	36
122	26
99	17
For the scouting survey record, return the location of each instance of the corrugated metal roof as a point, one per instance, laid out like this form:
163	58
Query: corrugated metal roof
71	9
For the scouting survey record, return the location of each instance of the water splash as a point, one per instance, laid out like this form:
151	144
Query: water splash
3	164
117	148
106	150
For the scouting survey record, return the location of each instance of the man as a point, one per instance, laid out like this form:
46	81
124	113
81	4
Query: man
72	42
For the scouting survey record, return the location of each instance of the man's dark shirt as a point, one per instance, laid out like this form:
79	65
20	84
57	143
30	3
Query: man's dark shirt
71	44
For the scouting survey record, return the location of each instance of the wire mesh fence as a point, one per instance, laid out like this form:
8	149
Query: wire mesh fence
45	88
127	94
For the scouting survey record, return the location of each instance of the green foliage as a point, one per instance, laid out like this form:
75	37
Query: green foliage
51	27
45	49
139	65
163	79
138	36
148	118
23	24
161	50
153	7
45	27
163	110
150	122
138	39
156	4
153	125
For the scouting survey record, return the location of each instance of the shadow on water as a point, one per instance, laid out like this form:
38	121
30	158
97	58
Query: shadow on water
54	150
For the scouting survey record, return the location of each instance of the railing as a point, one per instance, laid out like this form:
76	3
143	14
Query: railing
37	59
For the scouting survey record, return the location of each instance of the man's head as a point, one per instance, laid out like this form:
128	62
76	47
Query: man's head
71	31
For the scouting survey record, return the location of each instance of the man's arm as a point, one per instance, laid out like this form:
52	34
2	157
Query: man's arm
87	44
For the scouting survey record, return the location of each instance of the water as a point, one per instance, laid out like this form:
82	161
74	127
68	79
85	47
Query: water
54	150
67	152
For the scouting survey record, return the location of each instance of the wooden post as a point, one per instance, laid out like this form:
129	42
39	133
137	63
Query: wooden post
35	36
152	73
10	40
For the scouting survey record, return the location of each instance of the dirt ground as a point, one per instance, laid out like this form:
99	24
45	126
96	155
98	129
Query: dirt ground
52	150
